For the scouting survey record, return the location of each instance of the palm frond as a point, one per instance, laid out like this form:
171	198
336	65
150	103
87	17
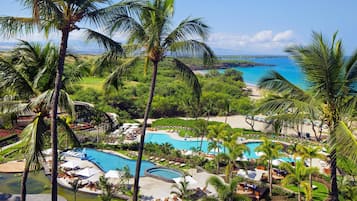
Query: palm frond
14	106
320	64
105	41
194	48
274	81
44	102
115	77
189	77
103	15
12	26
34	137
345	142
124	23
13	78
186	30
351	70
69	132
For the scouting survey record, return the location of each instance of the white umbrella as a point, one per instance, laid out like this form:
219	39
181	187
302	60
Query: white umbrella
259	153
191	182
276	162
87	172
243	158
70	164
187	153
115	174
47	151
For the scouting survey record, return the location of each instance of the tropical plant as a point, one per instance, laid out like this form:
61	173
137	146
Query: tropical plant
226	192
271	151
234	151
75	184
28	71
309	152
63	16
298	175
150	34
182	190
331	90
35	133
107	189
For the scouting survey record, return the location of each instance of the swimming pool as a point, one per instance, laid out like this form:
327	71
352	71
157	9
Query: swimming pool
107	161
163	173
162	138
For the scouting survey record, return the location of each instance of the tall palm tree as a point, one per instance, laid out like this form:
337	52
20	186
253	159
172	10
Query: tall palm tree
35	133
271	151
151	35
63	16
332	79
297	175
309	152
226	192
27	72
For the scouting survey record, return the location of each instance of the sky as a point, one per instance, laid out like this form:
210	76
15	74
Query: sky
245	27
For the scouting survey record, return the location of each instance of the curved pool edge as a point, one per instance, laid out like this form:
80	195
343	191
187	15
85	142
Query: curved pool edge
148	174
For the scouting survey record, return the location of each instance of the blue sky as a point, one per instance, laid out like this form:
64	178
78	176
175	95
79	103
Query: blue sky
252	26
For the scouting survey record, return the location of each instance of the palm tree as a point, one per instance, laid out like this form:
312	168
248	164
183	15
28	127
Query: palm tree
226	192
309	152
107	189
150	34
30	65
297	175
181	190
332	80
63	16
271	151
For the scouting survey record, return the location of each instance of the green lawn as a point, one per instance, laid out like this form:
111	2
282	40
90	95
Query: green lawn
319	194
92	82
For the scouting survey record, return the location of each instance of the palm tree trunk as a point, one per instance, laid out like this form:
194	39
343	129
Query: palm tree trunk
201	142
23	182
54	137
270	178
333	166
299	194
142	137
310	177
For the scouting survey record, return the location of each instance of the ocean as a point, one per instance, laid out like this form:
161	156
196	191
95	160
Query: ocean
284	65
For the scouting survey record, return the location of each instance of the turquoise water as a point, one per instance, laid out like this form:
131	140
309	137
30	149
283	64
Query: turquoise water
283	65
162	138
177	144
251	154
166	173
107	161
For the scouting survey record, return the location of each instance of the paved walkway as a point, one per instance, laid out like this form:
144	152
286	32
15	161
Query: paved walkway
152	189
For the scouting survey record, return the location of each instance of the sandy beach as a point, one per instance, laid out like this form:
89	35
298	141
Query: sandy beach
256	93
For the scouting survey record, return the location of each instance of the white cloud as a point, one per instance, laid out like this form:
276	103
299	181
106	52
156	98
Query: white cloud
265	41
283	36
262	42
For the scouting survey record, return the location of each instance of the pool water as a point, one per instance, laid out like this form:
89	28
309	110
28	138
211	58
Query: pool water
162	138
252	154
107	161
165	173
